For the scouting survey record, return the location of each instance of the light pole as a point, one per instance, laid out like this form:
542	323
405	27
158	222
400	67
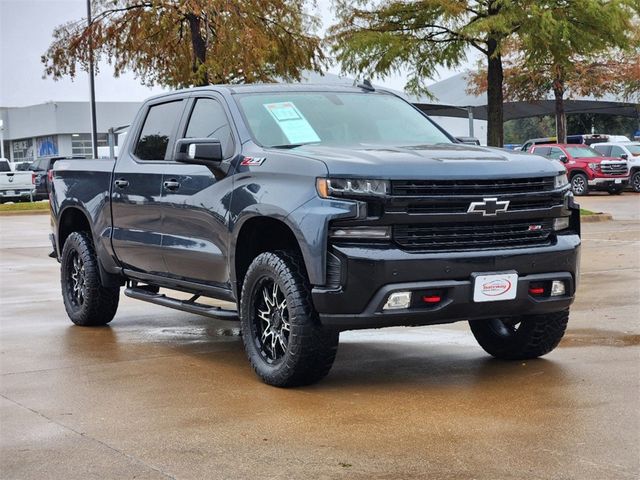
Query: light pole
92	91
2	138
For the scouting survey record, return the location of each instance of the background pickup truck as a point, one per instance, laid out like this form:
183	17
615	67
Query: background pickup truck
587	168
14	185
316	210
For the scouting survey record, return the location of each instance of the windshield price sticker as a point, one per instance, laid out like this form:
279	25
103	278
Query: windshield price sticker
292	123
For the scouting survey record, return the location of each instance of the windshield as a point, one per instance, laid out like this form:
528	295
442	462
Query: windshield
583	152
294	118
634	149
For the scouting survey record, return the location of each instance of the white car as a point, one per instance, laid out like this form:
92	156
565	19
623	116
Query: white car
625	150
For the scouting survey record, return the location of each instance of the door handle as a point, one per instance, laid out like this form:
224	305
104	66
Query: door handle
171	185
121	183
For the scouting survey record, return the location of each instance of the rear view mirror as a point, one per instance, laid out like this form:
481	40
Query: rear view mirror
199	151
624	156
563	158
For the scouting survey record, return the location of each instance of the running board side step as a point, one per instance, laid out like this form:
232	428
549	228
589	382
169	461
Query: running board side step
140	293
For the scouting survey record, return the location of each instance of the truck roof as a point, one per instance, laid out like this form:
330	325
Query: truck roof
272	87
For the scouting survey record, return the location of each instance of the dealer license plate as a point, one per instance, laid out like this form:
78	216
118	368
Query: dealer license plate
493	287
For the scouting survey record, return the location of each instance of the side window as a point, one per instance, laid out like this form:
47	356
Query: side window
156	131
616	152
544	151
603	149
555	153
209	120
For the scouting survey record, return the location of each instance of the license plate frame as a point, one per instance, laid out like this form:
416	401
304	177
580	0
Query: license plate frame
494	286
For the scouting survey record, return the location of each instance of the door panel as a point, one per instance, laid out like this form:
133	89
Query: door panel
137	191
195	224
196	205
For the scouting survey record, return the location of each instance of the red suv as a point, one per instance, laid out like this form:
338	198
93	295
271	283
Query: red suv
587	168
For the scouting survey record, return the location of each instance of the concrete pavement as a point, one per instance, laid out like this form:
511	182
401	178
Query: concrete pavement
165	394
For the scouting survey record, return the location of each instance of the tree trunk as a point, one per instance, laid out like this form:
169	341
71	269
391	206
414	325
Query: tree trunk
495	79
199	49
561	117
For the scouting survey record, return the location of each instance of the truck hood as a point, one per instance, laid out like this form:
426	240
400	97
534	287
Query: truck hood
445	161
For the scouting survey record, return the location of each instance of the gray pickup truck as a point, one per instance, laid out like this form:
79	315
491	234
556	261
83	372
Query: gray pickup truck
317	210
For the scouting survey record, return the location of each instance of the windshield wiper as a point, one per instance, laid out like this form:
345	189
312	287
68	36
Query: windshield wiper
289	145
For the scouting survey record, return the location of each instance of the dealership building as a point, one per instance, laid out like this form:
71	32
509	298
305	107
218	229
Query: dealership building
59	128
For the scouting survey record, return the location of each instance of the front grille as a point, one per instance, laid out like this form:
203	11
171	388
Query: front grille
613	168
461	206
474	236
419	188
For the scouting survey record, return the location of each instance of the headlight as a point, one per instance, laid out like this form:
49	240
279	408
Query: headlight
594	166
351	187
561	181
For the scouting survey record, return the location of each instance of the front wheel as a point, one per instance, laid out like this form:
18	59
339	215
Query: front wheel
635	181
580	184
87	301
520	338
282	336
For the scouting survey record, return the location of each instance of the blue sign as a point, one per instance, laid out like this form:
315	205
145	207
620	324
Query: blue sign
47	146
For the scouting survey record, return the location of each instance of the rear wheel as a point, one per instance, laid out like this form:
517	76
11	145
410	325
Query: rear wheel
282	336
519	338
87	301
635	181
580	184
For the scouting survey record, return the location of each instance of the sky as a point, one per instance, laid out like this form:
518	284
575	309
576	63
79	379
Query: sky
25	34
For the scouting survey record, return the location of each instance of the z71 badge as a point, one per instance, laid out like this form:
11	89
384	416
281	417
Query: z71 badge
253	161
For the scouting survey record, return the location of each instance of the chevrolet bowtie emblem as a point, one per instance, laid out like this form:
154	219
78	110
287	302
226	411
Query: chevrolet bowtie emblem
489	207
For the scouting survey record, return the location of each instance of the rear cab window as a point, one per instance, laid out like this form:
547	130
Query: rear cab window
157	130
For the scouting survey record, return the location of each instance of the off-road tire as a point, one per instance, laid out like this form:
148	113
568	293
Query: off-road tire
580	184
535	335
635	181
311	349
99	304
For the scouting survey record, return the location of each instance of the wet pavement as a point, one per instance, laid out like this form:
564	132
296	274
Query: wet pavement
165	394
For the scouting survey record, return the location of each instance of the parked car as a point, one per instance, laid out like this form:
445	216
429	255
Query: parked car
14	185
587	168
526	146
317	209
629	151
41	168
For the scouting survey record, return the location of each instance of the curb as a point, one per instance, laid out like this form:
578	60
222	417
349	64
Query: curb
596	218
18	213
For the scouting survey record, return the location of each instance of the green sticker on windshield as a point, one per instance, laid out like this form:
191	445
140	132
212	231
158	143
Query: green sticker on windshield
292	123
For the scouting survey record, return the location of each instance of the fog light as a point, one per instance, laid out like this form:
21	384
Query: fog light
398	300
561	223
557	288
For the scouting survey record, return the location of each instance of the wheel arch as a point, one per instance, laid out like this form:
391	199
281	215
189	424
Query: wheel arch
74	218
257	234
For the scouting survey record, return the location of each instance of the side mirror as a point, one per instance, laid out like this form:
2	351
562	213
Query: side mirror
624	156
563	158
199	151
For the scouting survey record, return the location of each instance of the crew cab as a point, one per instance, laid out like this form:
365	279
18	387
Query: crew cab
14	185
629	151
317	209
587	168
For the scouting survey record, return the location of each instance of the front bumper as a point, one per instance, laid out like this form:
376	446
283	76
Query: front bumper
369	275
609	182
